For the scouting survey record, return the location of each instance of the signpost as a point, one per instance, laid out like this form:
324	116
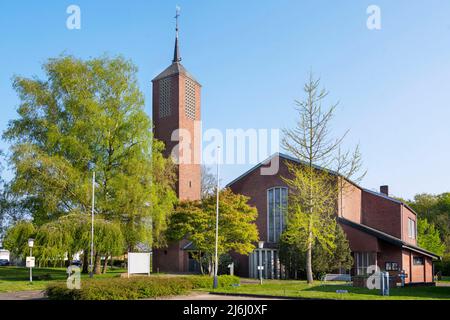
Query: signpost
260	268
30	259
30	262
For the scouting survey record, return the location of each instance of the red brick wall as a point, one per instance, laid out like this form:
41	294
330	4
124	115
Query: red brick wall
417	273
173	258
381	214
360	241
407	214
428	270
349	202
389	253
255	186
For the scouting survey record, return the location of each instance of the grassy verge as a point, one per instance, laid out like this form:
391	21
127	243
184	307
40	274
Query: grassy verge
300	289
17	278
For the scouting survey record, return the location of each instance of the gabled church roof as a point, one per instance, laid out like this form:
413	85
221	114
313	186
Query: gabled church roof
174	69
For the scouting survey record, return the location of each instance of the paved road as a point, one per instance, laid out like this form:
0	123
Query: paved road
207	296
23	295
39	295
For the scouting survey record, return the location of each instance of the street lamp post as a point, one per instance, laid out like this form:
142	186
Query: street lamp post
216	260
91	274
260	267
30	245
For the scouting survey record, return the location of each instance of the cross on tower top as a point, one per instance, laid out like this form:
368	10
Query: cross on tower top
176	52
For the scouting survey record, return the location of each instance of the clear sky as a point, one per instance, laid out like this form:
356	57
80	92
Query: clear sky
252	58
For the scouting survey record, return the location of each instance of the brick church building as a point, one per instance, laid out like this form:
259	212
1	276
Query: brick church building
381	230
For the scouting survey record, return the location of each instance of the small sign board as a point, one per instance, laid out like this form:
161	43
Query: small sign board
260	267
30	262
139	262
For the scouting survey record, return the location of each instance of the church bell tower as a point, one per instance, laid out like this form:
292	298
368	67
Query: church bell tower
176	120
176	113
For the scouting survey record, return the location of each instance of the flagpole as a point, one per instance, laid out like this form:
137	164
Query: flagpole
216	263
91	274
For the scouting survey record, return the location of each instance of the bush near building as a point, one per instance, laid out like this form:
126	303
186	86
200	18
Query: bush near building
135	287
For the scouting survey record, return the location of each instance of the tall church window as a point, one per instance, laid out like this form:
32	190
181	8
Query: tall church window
189	88
276	212
165	93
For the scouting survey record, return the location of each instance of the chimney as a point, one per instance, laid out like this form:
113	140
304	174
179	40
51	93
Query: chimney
384	190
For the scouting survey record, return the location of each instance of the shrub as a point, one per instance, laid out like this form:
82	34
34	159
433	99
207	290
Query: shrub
207	281
134	287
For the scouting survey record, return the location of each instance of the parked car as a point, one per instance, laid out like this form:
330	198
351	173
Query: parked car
4	262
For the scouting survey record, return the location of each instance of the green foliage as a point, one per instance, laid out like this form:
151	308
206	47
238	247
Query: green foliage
436	210
311	206
428	237
134	287
196	221
90	115
16	238
443	266
68	234
293	256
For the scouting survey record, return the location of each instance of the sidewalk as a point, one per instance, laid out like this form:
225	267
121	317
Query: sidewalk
23	295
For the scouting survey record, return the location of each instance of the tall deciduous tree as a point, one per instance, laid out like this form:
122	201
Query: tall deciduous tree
315	191
89	116
195	221
428	237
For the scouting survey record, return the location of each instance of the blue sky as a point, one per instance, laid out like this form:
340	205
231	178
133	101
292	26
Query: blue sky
252	58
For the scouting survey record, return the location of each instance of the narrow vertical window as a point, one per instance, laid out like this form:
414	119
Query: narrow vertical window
276	210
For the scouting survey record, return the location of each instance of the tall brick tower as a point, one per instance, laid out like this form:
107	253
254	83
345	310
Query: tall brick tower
176	118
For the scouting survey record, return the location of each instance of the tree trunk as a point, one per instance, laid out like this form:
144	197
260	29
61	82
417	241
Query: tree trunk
105	264
85	262
97	267
309	274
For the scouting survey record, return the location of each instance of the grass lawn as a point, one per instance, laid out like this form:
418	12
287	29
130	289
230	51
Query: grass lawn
445	279
17	278
300	289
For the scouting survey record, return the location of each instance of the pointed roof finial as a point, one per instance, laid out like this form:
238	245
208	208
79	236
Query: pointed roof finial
176	52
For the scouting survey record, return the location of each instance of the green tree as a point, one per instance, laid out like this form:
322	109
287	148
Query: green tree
89	116
64	237
428	237
323	261
195	221
314	189
436	210
16	238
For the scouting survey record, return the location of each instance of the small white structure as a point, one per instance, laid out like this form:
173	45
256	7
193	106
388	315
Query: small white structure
4	254
139	263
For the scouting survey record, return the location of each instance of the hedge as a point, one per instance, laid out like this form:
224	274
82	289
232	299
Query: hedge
134	287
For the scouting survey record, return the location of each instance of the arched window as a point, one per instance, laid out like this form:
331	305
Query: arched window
276	212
